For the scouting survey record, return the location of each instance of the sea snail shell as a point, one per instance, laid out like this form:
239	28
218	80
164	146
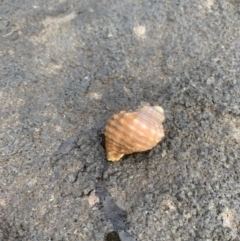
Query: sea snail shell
128	132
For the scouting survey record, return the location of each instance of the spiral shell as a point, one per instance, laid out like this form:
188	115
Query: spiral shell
128	132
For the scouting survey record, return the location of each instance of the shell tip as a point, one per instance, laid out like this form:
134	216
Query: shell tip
159	109
113	156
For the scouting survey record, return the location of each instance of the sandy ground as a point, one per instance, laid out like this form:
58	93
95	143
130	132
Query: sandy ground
66	67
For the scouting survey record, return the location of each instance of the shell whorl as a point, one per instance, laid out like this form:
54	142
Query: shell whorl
128	132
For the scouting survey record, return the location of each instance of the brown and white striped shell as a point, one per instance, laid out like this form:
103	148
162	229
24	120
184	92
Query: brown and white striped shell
128	132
